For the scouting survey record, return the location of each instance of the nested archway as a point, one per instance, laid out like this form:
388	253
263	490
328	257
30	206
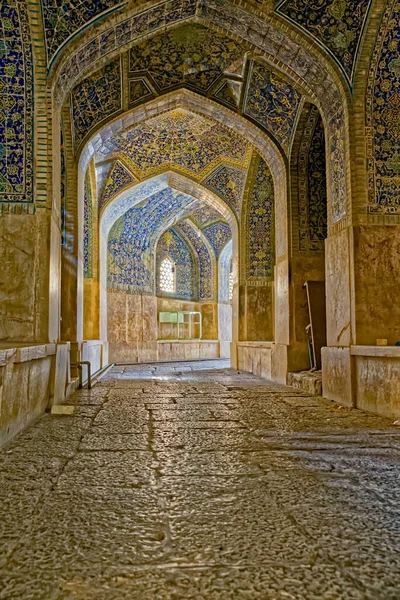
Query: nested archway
187	101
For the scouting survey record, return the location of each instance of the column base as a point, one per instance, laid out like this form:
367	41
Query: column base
338	375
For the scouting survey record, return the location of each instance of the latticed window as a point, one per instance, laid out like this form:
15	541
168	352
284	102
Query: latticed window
230	284
167	276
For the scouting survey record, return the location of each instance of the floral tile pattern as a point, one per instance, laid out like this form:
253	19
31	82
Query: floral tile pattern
260	225
203	215
132	238
191	56
272	103
118	179
63	18
206	287
95	98
88	228
16	103
337	25
180	140
312	191
218	234
228	183
383	117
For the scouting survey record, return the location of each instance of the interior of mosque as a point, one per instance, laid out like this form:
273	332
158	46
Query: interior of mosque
211	157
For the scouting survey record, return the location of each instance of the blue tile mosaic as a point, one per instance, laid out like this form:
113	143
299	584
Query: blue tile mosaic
206	287
16	103
218	234
132	238
383	117
95	98
172	245
272	103
260	249
336	25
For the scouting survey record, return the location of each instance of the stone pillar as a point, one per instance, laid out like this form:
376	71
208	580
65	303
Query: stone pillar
209	311
24	278
337	370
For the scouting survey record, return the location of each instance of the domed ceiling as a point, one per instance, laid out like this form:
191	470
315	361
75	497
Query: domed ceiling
181	141
177	139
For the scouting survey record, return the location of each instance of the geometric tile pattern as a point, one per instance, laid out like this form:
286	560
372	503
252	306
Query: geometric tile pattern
95	98
228	183
272	103
190	56
118	179
62	19
88	228
383	117
218	234
172	245
16	103
336	25
260	225
180	140
206	286
311	175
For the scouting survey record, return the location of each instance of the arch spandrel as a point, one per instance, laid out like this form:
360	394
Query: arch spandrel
334	114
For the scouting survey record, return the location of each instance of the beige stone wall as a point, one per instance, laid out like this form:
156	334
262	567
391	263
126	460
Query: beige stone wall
25	386
377	278
24	278
256	358
256	312
377	375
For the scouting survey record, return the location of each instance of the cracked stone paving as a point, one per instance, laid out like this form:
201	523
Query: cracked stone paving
191	480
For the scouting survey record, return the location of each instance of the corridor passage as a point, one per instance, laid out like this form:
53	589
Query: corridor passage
190	480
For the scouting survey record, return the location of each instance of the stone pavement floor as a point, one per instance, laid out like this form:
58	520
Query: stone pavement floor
190	480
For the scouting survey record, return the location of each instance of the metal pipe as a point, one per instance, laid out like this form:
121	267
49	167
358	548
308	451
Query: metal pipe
79	367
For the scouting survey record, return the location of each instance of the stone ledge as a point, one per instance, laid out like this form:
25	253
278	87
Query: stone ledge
25	353
267	345
376	351
5	356
187	341
308	381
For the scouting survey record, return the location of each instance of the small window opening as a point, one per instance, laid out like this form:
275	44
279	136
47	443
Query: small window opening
167	276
